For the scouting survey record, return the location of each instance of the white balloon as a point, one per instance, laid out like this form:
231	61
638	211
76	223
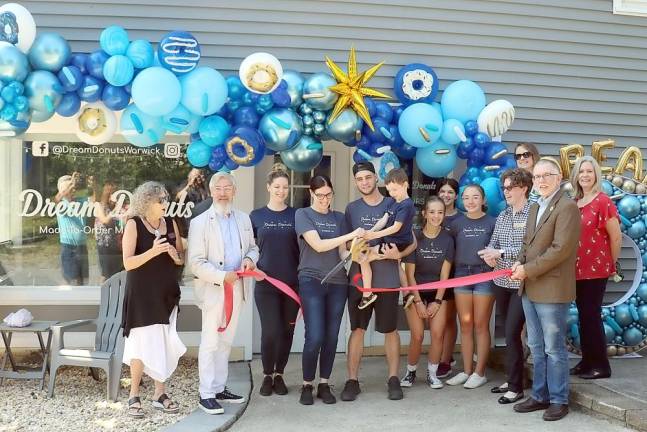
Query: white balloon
17	26
496	118
95	123
260	72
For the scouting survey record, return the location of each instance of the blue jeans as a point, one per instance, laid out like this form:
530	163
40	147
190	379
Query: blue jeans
483	288
546	327
323	309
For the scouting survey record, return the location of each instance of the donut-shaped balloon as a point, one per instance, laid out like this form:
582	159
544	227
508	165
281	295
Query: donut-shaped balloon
17	26
179	52
415	82
95	123
496	118
385	163
260	73
245	146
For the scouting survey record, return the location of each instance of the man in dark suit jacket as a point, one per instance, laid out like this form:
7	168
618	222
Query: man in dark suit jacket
546	266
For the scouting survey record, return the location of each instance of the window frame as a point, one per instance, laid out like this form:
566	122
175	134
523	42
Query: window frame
630	7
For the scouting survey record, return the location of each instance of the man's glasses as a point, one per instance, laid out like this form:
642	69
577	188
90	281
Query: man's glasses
321	196
524	155
226	189
546	176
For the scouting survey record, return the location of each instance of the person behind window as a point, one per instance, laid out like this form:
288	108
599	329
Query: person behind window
151	254
107	234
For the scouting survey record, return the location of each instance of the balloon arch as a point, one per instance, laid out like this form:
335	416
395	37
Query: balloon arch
264	110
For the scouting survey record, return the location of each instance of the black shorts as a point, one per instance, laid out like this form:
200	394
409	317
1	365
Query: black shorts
386	308
401	246
430	295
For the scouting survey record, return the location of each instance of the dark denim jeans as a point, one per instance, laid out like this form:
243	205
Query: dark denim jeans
323	309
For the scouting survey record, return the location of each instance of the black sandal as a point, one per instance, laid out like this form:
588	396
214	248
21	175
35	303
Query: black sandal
133	411
170	408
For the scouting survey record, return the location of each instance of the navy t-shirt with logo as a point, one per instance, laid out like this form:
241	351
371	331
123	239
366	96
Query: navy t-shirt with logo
470	236
430	255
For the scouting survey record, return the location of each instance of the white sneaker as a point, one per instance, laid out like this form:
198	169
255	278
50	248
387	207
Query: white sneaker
475	380
458	379
433	381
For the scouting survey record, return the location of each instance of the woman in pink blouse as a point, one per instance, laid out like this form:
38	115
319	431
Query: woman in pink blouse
600	242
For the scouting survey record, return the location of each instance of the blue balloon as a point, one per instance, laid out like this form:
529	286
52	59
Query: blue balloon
140	53
79	60
294	81
420	125
266	102
465	148
437	160
281	129
632	337
21	103
179	52
214	130
361	156
453	132
380	132
40	116
198	154
281	97
179	120
471	128
462	100
476	156
345	126
642	315
219	153
50	52
235	88
91	88
18	125
609	334
304	156
481	140
115	98
71	78
215	165
318	88
230	165
94	63
245	147
8	113
70	104
118	70
623	315
383	110
607	187
629	206
141	129
156	91
43	90
14	65
637	230
495	154
415	83
404	150
114	40
204	91
246	116
370	106
493	194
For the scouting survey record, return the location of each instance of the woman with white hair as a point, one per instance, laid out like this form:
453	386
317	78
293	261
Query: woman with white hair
152	256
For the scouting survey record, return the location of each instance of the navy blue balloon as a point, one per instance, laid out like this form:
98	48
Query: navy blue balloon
461	152
281	97
91	89
493	151
404	150
364	143
477	154
230	164
383	111
465	148
357	157
373	151
219	153
481	140
71	78
464	180
94	63
179	52
474	162
246	116
370	106
215	165
115	98
397	111
422	88
70	104
471	128
376	135
79	60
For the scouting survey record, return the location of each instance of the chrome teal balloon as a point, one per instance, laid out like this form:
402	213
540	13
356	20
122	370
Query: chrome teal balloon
44	91
608	333
50	52
14	65
637	230
281	129
295	86
641	291
632	337
623	316
343	127
629	206
607	187
305	156
318	88
642	315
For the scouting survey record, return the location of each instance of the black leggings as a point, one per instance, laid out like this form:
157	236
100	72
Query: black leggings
590	293
509	304
278	313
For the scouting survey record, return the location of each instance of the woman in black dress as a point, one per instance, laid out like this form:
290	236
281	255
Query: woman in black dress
152	256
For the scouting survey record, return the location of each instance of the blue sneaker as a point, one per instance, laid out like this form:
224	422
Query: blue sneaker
211	406
229	397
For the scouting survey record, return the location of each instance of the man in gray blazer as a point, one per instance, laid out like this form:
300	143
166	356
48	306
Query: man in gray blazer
547	268
221	242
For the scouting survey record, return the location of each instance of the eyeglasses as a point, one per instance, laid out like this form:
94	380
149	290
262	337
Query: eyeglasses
163	200
225	189
320	196
546	176
508	188
524	155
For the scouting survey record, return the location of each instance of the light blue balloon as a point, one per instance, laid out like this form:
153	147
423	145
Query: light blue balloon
194	123
623	315
118	70
198	154
632	337
607	187
462	100
637	230
14	65
19	125
642	315
140	53
493	195
41	116
343	128
295	83
629	206
50	52
141	129
450	134
178	120
609	334
204	91
306	155
641	292
417	117
214	130
436	160
156	91
114	40
43	90
319	85
281	129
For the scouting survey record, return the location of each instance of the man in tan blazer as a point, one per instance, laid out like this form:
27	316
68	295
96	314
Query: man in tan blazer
221	241
547	268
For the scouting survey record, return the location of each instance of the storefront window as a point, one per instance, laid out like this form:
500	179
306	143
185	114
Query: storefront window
65	206
299	196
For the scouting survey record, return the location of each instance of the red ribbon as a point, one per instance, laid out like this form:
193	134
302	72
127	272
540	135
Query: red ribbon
447	283
258	275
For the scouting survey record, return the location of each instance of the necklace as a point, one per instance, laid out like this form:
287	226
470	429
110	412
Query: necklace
156	229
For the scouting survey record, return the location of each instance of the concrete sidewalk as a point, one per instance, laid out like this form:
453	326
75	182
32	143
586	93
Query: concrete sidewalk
451	408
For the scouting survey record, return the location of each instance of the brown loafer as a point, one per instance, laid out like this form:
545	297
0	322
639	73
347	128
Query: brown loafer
530	405
555	412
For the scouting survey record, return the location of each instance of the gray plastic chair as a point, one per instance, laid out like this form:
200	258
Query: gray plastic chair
108	344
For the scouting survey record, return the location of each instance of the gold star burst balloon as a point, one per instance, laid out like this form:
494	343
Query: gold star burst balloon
351	88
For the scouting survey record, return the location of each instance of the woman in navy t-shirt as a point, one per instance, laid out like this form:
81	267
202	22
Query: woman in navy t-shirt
277	240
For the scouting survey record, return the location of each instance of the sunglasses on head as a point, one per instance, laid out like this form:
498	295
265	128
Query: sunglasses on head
525	155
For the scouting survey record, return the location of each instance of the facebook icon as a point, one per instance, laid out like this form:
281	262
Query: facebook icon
40	148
